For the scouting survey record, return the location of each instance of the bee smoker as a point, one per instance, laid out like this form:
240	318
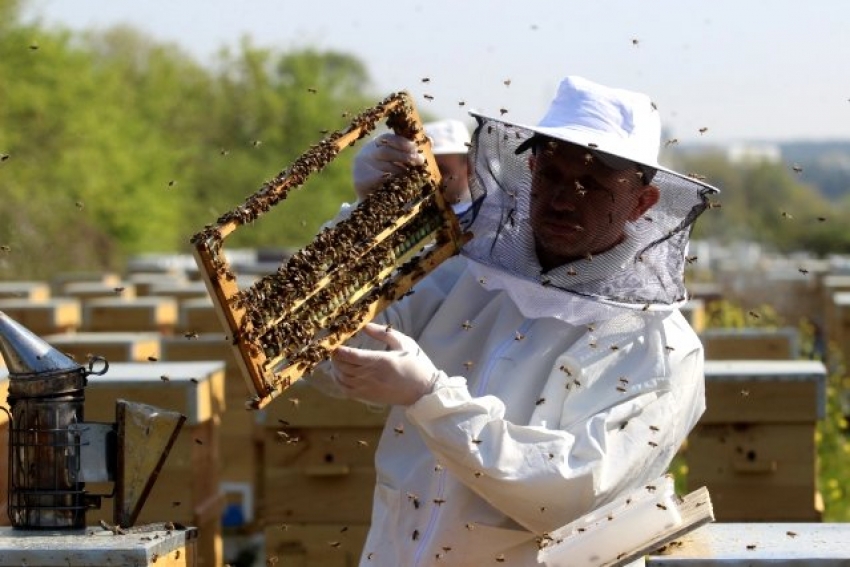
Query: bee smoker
53	452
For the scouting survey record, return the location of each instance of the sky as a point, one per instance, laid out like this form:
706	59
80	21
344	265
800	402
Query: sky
775	70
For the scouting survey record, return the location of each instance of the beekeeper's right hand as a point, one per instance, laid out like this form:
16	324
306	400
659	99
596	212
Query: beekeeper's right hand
388	154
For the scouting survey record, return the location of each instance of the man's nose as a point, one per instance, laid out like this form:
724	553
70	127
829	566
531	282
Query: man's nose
563	198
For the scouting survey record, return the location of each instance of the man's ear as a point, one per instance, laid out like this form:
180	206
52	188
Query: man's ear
649	195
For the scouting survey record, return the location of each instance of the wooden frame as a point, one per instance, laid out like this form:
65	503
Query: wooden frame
287	322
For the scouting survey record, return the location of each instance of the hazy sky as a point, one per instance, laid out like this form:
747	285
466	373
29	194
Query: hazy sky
744	69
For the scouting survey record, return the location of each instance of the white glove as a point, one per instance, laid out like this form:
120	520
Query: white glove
399	375
386	155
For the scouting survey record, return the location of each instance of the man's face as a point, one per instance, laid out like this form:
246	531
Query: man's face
453	169
579	206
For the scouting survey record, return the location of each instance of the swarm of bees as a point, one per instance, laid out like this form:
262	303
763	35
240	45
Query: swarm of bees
289	321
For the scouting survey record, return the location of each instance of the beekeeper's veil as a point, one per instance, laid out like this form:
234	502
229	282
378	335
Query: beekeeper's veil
618	130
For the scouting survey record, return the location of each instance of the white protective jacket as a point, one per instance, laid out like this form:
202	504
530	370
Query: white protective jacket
534	423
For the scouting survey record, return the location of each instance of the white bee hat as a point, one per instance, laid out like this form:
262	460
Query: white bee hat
448	137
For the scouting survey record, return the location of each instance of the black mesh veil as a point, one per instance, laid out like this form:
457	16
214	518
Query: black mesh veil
576	221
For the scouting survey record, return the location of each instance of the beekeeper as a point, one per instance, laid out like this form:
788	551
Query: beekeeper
547	368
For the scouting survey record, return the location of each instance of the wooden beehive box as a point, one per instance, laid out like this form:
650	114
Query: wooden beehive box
199	316
319	451
754	448
694	312
187	488
59	281
85	291
240	440
114	347
142	314
325	545
55	315
29	290
145	281
751	344
838	326
181	291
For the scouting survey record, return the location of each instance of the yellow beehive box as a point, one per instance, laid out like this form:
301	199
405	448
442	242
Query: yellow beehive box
114	347
157	314
754	447
55	315
29	290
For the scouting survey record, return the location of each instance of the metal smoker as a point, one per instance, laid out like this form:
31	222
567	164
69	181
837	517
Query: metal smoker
53	452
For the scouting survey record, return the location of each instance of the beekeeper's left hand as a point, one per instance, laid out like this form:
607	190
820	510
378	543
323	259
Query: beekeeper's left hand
399	375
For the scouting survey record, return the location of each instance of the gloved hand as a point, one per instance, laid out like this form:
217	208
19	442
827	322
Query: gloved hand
398	376
388	154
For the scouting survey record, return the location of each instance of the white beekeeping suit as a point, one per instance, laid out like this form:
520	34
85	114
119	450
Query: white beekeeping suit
531	381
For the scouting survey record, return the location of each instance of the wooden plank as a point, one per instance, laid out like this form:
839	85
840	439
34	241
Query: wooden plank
330	495
759	545
313	545
751	344
85	291
304	406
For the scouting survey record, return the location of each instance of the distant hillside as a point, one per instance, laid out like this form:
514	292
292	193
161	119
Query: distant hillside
825	164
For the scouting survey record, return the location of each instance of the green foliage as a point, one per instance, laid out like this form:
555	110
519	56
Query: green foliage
117	144
765	202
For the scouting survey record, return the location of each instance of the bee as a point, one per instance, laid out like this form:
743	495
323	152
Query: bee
654	106
478	474
223	152
256	143
312	90
295	402
668	348
426	80
413	500
466	325
580	189
703	130
468	364
503	111
803	271
5	248
152	359
175	503
744	393
661	506
624	380
118	289
461	103
190	335
519	336
671	141
540	402
164	378
592	145
563	368
362	443
80	205
476	441
791	534
821	219
34	46
787	215
751	546
198	441
193	380
500	558
653	444
507	82
171	183
615	347
797	168
4	157
439	501
428	97
415	535
399	429
621	389
654	428
754	315
334	544
646	307
635	42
